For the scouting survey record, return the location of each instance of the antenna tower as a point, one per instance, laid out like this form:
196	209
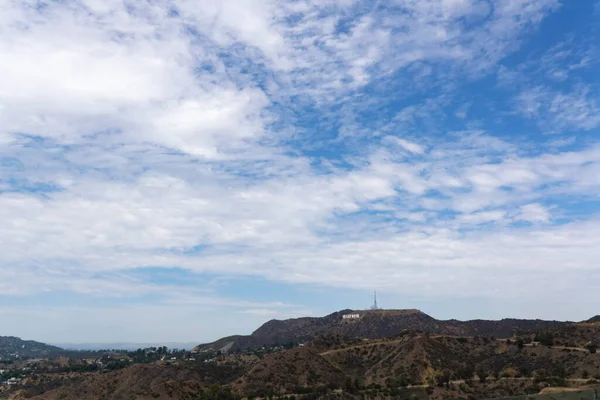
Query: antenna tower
375	306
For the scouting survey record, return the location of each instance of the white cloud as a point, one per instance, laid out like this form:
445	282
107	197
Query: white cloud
576	110
214	122
534	212
406	145
557	111
109	67
99	224
228	22
483	217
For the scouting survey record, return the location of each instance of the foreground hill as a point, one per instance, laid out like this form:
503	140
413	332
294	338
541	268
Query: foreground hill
372	324
449	366
141	382
14	348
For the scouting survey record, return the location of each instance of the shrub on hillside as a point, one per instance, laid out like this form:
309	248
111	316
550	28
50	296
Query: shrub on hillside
591	347
545	338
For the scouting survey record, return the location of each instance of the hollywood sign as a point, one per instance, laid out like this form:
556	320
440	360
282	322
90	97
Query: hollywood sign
351	316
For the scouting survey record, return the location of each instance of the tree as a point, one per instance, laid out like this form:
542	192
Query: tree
591	347
520	343
481	373
443	378
496	374
466	372
545	338
350	387
217	392
525	371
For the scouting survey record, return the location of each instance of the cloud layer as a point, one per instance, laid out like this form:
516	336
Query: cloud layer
432	148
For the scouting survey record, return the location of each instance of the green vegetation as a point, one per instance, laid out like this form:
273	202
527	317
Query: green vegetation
217	392
545	338
591	347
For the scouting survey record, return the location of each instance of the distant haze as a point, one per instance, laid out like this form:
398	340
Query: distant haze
123	346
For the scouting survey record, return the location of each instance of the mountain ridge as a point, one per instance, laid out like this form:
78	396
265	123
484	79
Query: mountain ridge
373	324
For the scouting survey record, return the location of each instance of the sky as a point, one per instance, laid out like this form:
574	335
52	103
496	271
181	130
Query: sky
178	170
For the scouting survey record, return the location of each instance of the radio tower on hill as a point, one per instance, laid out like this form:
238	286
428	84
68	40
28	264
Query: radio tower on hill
374	306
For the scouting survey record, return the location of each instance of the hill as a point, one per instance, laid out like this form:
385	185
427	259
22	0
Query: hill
594	319
14	348
450	367
371	324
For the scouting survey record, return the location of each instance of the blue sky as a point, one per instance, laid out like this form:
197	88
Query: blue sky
184	170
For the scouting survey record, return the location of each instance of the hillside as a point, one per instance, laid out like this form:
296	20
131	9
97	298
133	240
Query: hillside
448	365
287	371
372	324
576	335
142	382
594	319
14	348
418	359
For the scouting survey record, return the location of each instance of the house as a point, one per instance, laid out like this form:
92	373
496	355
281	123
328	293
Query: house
13	381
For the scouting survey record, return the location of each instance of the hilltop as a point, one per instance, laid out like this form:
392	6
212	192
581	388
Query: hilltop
594	319
371	324
14	348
